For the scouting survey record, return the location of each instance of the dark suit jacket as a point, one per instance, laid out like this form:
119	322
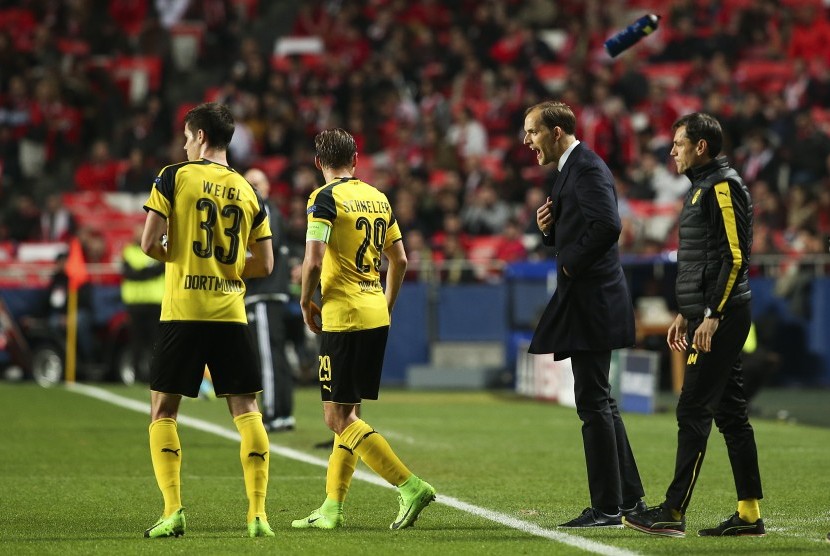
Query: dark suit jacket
591	309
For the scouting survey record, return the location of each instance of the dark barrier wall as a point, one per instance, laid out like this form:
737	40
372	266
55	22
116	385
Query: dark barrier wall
475	312
506	311
819	336
408	342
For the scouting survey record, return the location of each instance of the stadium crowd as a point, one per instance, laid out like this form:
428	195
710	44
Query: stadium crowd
92	93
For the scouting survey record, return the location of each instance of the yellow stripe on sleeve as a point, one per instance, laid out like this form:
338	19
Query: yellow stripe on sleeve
724	196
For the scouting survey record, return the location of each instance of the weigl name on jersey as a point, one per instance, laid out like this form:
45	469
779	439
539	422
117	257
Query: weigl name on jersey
220	190
211	283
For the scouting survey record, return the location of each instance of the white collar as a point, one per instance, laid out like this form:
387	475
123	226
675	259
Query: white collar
566	154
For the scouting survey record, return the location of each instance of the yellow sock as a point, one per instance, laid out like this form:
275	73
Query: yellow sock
749	510
166	454
255	455
375	451
342	462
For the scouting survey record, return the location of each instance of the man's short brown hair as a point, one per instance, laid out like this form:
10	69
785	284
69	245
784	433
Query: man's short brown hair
335	148
555	114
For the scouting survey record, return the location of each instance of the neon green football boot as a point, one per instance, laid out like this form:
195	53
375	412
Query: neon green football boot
414	495
170	526
259	528
320	520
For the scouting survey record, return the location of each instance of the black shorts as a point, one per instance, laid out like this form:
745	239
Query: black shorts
184	348
350	365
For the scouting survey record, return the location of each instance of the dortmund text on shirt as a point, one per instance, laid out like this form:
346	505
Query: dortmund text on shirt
212	283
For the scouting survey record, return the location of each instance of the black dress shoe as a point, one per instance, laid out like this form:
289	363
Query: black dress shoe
592	517
638	507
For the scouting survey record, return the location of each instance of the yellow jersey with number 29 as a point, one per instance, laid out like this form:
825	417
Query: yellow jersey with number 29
359	226
212	214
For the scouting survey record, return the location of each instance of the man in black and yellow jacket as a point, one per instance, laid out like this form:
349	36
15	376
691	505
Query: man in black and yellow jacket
713	297
142	289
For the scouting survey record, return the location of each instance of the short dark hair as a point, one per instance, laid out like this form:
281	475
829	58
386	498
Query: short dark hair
215	120
554	114
335	148
702	126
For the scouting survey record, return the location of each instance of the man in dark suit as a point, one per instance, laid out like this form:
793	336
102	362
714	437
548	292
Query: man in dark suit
590	312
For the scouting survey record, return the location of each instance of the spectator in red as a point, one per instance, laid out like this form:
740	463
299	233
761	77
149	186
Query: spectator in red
313	19
660	112
129	14
427	13
451	226
510	247
55	124
810	33
100	172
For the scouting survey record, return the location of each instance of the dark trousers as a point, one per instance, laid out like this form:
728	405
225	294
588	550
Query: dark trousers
613	478
713	389
267	322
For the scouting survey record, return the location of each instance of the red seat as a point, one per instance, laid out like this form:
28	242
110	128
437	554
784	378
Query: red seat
130	73
764	75
669	74
83	201
552	76
501	143
273	166
483	248
181	112
493	165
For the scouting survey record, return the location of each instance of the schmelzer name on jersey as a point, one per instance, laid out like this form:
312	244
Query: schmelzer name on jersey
211	283
370	285
220	190
371	207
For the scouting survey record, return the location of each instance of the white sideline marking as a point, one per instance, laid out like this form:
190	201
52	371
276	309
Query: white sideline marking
491	515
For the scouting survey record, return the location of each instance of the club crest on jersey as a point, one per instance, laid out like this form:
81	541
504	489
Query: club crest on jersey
696	196
311	209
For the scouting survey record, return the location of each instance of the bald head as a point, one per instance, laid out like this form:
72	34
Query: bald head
259	180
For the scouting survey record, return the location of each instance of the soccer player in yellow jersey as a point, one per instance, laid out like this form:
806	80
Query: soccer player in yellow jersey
350	223
202	221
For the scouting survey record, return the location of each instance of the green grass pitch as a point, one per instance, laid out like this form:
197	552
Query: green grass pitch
76	478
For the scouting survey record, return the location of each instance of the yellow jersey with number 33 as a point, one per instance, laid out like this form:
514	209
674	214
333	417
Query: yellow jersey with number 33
362	226
212	214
